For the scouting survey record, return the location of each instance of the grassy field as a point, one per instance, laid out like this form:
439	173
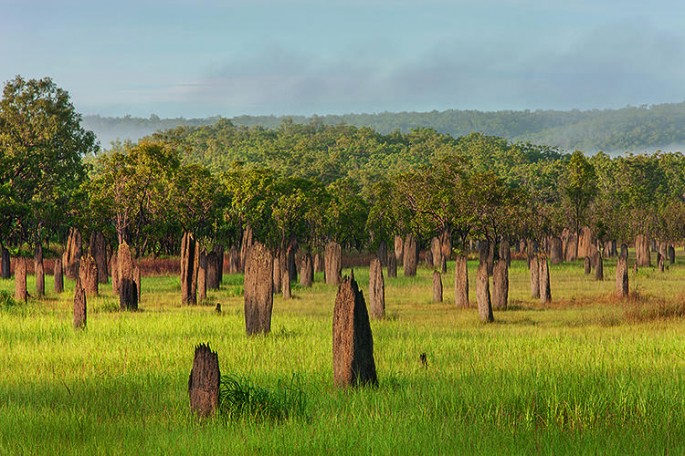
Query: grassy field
586	374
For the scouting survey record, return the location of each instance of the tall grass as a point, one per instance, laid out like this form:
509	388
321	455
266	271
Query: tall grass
582	375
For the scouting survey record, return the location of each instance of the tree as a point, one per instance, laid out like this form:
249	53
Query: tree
42	146
578	190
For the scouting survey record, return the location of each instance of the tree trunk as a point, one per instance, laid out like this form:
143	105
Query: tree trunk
437	286
662	255
353	363
333	263
128	292
6	274
392	265
190	257
20	292
59	276
622	277
534	277
204	381
98	250
461	282
642	254
671	254
545	289
80	310
258	286
483	293
39	271
411	255
500	285
202	277
88	275
306	270
376	289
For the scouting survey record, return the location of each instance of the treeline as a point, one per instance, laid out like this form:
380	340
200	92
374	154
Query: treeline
630	129
313	184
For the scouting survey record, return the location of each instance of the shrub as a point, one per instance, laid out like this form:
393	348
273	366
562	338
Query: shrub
239	398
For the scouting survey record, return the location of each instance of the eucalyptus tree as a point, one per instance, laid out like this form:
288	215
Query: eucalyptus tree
42	145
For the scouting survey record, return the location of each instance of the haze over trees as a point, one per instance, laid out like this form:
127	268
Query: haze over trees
631	129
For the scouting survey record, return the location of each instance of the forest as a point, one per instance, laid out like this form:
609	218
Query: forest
635	129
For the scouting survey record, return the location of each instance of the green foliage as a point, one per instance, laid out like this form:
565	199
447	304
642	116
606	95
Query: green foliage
41	168
241	399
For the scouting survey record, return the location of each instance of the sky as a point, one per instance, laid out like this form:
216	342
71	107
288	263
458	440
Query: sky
200	58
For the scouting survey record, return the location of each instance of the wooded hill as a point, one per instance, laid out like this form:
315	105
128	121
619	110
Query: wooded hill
630	129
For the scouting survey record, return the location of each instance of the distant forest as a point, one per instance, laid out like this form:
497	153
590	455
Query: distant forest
630	129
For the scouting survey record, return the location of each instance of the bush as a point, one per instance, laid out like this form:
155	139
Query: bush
241	399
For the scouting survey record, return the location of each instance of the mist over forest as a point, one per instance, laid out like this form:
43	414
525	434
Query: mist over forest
631	129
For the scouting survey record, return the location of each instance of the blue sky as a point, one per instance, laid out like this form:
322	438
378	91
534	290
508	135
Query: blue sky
208	57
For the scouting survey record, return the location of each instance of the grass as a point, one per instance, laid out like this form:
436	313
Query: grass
585	374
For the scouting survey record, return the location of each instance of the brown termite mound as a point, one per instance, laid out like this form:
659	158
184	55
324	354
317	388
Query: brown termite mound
306	270
190	259
285	285
212	270
204	380
201	285
622	277
642	254
500	285
333	263
5	274
461	282
88	275
534	277
556	251
98	250
80	313
114	268
258	286
72	253
59	276
353	363
411	255
20	292
233	260
376	289
545	289
587	265
437	286
39	271
392	264
128	292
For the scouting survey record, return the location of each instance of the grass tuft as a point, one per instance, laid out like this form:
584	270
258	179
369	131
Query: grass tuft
240	399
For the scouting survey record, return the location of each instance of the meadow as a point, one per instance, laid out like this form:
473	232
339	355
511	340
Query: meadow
585	374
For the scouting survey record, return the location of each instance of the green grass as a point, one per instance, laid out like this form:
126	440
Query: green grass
585	374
